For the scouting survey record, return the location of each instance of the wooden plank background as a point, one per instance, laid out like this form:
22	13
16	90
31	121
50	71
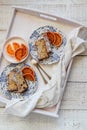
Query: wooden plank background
73	111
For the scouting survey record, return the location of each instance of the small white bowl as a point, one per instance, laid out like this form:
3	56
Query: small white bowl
11	40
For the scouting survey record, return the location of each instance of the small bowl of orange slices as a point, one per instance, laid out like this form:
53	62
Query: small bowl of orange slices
16	50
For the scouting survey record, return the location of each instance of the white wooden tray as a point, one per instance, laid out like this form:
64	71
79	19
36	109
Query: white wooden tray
23	23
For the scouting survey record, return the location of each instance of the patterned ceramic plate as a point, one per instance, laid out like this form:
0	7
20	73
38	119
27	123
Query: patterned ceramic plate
56	53
3	83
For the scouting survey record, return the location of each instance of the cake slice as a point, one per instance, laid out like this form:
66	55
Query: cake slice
12	86
21	83
41	49
16	82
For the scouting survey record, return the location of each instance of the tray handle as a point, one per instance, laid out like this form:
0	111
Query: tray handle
48	17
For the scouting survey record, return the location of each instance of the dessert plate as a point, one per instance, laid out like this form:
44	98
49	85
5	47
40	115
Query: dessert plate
32	86
56	52
12	40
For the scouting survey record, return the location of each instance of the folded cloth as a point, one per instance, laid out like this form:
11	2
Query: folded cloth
50	95
76	44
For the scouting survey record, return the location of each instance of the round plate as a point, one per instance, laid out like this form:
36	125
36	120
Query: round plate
56	52
4	81
11	40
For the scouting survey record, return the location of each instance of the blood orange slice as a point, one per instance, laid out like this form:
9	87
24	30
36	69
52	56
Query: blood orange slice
25	50
19	54
27	69
58	40
51	37
10	50
16	45
29	76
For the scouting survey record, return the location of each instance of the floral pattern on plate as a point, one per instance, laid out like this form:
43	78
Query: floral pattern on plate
3	83
56	53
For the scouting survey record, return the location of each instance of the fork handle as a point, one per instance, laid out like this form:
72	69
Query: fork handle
45	72
45	81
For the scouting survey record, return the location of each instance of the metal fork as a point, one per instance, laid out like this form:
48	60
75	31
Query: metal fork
39	69
44	79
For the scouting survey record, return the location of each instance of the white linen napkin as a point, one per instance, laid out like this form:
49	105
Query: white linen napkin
50	95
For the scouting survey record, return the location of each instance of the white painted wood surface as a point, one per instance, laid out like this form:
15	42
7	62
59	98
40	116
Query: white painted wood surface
73	111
